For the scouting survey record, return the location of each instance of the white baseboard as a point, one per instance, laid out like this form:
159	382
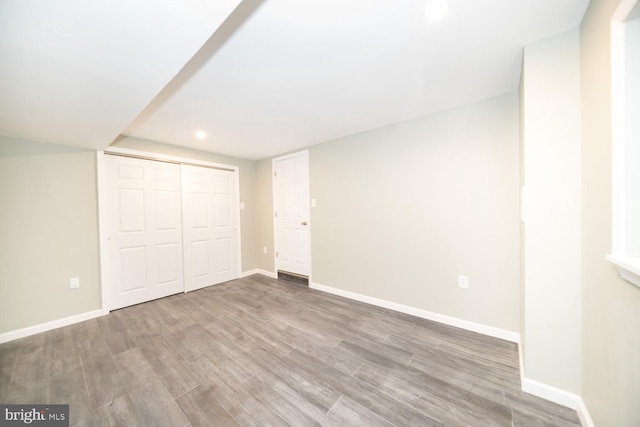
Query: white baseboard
533	387
258	271
440	318
54	324
530	386
553	394
550	393
248	273
559	396
267	273
583	414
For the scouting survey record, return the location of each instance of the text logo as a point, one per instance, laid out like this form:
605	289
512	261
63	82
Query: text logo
34	415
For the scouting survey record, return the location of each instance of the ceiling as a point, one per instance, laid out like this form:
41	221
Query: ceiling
259	77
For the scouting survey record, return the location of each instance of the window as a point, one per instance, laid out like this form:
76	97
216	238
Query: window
625	39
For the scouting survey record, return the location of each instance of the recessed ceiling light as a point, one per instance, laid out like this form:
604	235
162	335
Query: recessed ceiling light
201	135
435	9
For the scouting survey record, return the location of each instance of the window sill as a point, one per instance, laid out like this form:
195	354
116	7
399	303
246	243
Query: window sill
629	268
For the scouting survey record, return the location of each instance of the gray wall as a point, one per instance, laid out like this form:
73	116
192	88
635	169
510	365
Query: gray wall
264	220
611	306
404	209
48	233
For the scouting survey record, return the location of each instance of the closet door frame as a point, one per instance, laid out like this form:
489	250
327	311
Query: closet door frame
103	211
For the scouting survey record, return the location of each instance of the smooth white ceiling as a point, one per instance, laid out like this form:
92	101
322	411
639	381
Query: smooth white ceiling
278	75
77	72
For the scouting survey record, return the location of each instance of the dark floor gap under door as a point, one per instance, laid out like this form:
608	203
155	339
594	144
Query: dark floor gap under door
293	277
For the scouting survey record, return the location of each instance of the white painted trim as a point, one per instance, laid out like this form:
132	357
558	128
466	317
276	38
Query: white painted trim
628	267
290	156
618	121
553	394
533	387
54	324
440	318
236	172
273	216
521	361
167	158
268	273
248	273
536	388
258	271
583	414
550	393
102	228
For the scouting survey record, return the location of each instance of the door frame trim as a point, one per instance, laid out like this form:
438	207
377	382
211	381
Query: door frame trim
101	179
102	204
303	153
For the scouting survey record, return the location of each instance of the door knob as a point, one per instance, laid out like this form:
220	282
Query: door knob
304	222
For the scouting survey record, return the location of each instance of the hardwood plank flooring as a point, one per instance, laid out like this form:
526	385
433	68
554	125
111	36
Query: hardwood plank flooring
264	352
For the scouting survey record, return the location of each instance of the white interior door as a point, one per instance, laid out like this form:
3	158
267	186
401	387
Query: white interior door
144	233
210	228
291	216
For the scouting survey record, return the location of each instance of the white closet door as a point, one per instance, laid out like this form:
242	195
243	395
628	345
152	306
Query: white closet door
144	233
209	209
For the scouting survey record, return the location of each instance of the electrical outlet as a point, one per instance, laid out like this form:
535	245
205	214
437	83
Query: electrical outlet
463	282
74	283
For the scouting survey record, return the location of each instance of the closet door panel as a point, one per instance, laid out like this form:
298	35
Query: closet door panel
144	230
209	227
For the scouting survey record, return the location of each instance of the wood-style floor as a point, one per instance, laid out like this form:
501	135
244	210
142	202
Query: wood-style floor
263	352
